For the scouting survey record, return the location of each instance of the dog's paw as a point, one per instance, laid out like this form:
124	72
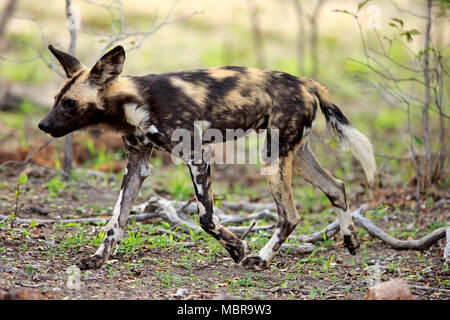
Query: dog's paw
254	262
94	262
351	242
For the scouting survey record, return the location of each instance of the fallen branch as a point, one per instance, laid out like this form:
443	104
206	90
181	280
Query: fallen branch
29	157
297	249
248	206
165	209
430	289
265	214
447	246
419	244
27	285
324	234
398	244
241	230
136	217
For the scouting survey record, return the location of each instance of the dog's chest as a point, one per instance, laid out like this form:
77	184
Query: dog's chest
151	137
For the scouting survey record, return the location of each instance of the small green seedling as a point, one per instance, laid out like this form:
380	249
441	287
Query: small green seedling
22	180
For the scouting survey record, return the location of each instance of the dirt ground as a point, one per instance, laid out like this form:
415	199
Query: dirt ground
35	259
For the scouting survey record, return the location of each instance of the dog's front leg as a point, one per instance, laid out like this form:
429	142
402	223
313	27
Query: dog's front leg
201	177
138	168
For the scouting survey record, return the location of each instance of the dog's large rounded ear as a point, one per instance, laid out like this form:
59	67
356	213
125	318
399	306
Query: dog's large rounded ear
70	64
108	68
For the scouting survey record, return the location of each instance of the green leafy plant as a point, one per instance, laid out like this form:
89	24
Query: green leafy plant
132	243
55	186
23	178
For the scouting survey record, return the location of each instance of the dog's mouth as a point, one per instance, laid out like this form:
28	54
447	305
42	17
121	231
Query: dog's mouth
56	135
54	132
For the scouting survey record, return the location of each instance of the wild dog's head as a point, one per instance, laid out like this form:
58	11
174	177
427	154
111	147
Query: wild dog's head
78	104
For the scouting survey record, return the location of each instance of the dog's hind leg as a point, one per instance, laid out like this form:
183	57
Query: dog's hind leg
306	165
201	177
280	187
138	168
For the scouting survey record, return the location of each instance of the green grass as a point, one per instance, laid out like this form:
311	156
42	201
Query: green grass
55	186
179	184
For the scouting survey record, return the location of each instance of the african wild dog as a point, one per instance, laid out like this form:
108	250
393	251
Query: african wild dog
147	109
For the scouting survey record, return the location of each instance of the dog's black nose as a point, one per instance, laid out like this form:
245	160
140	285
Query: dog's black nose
44	125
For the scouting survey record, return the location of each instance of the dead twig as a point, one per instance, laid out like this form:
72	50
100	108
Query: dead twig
121	31
243	229
447	246
29	157
430	289
417	244
26	285
324	234
265	214
165	209
250	227
248	206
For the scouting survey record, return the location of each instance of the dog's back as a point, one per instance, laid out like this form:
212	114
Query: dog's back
227	98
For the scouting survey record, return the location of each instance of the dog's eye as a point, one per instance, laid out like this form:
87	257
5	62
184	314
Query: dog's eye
69	103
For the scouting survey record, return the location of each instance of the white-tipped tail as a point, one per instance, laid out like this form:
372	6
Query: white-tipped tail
349	137
352	139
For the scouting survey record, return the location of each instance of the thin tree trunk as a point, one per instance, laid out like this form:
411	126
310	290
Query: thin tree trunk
415	163
443	139
426	106
72	27
256	34
7	12
314	38
68	151
300	36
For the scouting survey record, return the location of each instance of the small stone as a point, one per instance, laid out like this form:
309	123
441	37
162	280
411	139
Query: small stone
396	289
181	292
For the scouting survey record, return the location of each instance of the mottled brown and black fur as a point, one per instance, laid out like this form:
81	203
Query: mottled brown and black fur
147	109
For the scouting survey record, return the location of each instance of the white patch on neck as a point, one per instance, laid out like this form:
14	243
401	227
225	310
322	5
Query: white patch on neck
135	116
